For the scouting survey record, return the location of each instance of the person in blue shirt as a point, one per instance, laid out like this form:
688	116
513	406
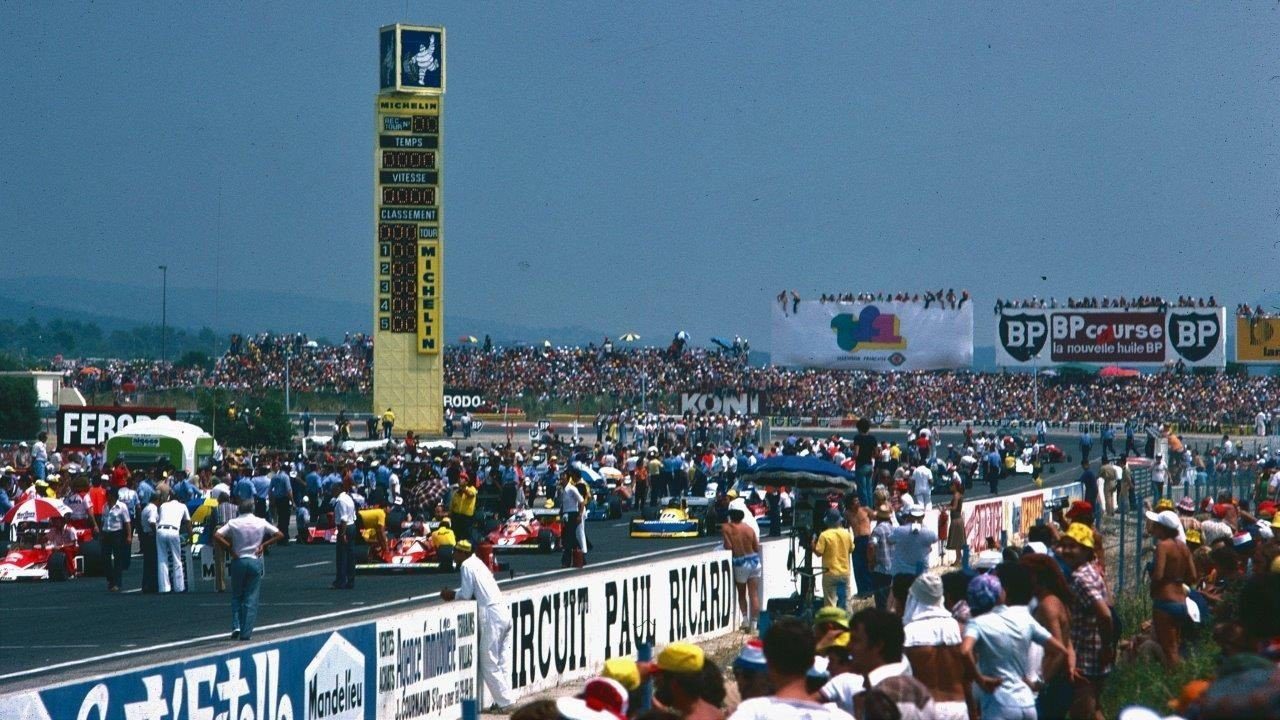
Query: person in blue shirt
145	490
1089	481
1108	436
994	466
313	489
281	495
1130	447
243	489
183	490
1086	444
261	491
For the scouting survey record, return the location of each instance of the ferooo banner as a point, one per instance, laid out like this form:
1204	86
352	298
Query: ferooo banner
566	630
1258	340
872	336
1146	337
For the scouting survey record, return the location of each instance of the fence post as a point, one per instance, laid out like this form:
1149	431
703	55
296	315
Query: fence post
1137	554
644	654
1124	520
964	557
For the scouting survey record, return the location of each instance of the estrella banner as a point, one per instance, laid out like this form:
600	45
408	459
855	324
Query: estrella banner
1032	511
1258	340
872	336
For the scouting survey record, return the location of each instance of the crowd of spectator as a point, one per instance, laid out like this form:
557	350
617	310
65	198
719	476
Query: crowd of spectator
1118	302
1255	313
947	299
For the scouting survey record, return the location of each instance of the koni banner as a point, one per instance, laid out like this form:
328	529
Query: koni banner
872	336
1029	337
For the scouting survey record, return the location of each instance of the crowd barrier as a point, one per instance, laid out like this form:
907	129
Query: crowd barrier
408	666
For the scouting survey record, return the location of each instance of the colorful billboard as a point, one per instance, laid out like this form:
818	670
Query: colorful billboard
1258	340
1027	337
872	336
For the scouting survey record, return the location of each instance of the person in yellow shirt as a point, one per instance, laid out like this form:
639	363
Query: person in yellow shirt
462	507
373	527
895	452
835	546
388	422
443	540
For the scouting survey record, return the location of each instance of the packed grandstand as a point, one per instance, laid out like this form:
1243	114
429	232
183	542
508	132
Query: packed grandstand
610	371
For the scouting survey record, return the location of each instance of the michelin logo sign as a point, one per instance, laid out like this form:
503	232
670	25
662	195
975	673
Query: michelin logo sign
323	676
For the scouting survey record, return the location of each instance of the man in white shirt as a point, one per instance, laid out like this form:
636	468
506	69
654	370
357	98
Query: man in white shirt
344	523
571	515
117	538
911	545
922	485
173	521
478	584
245	537
40	457
148	518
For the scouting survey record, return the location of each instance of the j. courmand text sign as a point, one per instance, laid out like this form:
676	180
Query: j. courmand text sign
418	665
566	629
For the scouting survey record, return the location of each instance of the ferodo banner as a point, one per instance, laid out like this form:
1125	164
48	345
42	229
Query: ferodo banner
1039	336
86	426
566	629
1258	340
467	399
872	336
722	403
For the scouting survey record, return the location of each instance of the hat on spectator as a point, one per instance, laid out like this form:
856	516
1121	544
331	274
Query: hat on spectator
606	694
883	512
463	546
680	657
1078	508
1165	518
840	642
984	592
1165	504
834	615
1080	533
1194	537
988	559
751	657
916	511
1242	542
1186	504
625	670
572	708
1220	510
1035	546
1267	509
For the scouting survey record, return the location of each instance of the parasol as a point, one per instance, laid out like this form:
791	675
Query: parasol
610	473
629	337
800	472
35	509
468	339
1116	371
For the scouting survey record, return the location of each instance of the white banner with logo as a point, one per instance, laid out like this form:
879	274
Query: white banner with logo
872	336
1145	337
427	662
565	629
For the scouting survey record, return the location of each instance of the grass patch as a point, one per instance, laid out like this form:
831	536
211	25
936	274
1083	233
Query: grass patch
1148	683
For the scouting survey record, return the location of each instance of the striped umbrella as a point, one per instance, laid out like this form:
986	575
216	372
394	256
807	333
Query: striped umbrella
629	337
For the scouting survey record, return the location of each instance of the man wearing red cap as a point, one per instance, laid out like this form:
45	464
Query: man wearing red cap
1081	512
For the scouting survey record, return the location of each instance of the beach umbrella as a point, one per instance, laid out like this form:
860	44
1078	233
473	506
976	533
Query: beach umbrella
546	344
800	472
468	339
35	509
91	370
610	473
629	337
1115	371
682	335
591	476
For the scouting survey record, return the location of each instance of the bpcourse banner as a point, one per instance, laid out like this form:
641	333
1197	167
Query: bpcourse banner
565	630
872	336
1146	337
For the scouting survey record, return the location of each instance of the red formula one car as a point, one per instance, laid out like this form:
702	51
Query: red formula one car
32	558
528	530
406	554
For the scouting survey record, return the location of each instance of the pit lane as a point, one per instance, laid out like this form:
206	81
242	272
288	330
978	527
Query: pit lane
59	631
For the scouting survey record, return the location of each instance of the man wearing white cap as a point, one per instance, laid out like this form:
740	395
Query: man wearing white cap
910	546
478	584
1174	570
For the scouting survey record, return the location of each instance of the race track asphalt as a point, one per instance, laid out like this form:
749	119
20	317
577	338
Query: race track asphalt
59	631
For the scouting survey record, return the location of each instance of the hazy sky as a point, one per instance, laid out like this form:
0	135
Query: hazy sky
653	166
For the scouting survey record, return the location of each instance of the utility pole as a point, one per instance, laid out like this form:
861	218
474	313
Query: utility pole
164	302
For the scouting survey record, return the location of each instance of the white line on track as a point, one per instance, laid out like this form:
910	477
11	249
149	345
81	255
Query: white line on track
362	610
314	564
37	647
282	604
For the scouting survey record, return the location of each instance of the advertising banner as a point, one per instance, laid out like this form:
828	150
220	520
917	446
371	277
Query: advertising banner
722	403
427	663
1258	340
82	427
566	629
1028	337
872	336
983	520
1031	511
468	399
321	676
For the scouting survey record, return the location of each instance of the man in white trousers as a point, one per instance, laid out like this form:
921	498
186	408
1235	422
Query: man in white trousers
495	627
174	521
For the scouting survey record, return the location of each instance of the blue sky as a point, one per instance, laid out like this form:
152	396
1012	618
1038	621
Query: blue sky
656	166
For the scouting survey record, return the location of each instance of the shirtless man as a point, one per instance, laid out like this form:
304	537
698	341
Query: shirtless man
859	519
1173	568
743	542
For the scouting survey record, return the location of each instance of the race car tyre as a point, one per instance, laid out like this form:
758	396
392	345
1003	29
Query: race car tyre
94	563
546	541
57	566
649	513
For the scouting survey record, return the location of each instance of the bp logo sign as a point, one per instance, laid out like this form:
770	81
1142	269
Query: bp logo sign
1023	336
1194	335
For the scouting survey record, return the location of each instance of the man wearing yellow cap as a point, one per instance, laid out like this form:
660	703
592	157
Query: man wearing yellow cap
1092	629
495	627
684	677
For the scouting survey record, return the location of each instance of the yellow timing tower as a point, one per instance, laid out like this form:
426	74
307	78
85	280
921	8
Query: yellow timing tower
408	247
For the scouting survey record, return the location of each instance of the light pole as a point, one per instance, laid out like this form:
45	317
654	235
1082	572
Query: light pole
288	358
164	302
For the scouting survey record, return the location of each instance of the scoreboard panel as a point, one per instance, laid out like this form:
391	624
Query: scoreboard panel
408	242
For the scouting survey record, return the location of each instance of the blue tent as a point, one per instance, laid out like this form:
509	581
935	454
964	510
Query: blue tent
798	471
